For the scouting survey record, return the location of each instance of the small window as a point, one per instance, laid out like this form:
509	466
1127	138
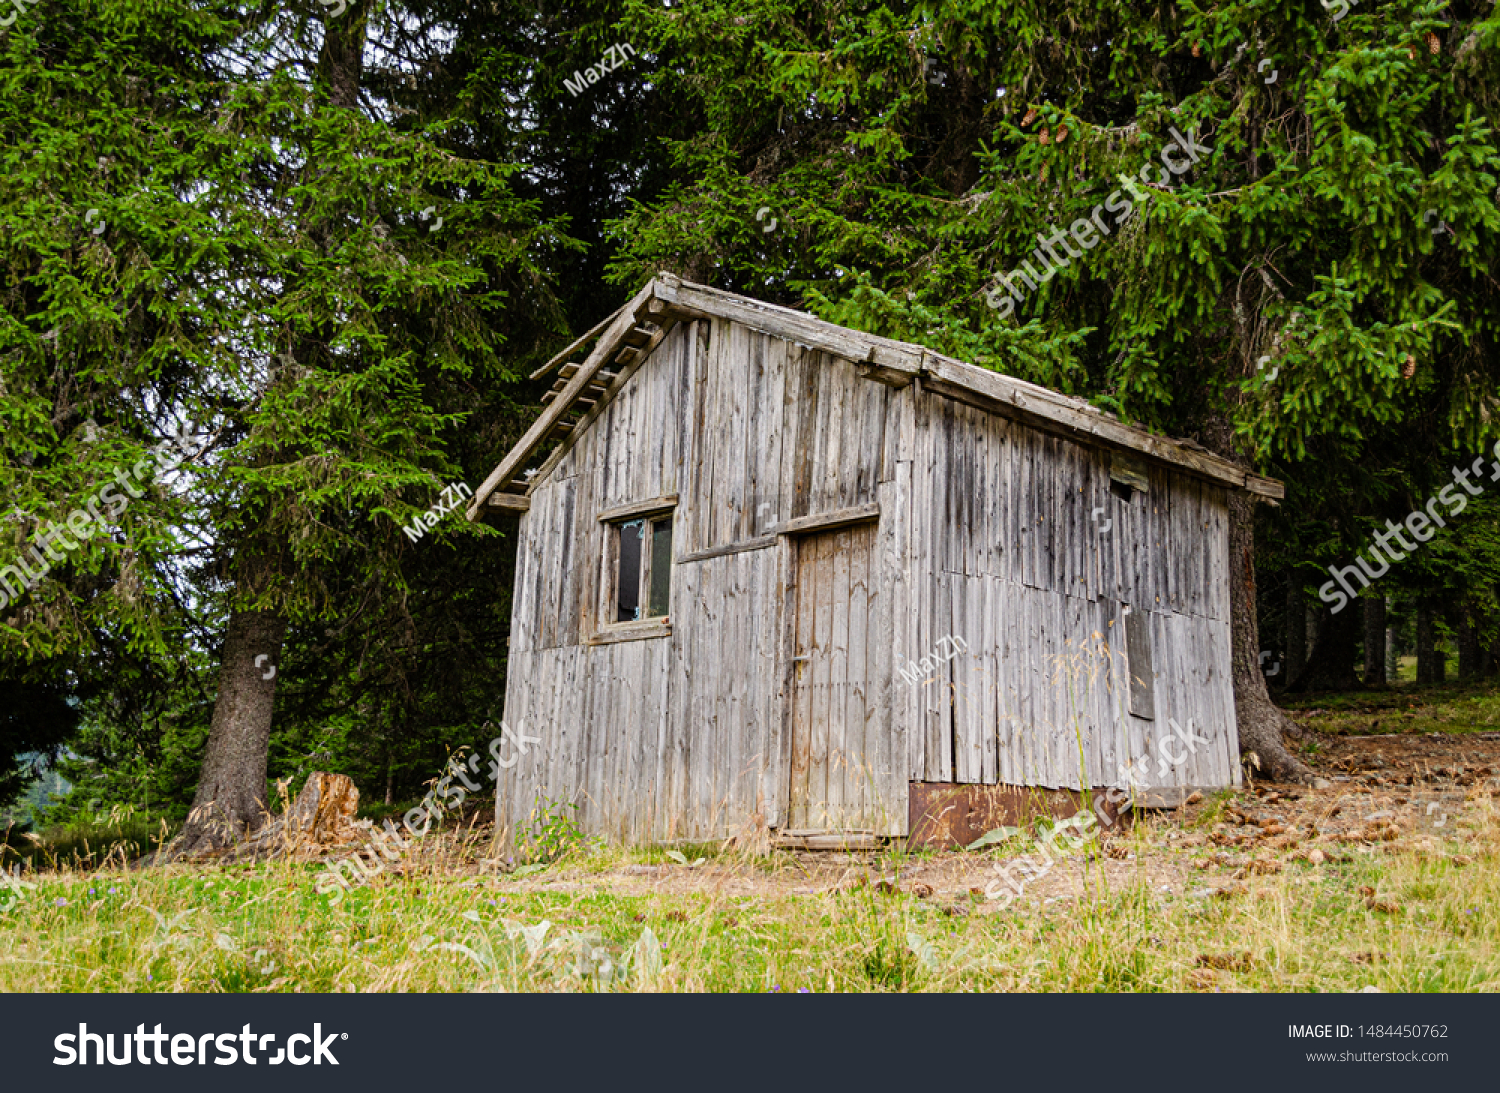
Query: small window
1138	662
643	578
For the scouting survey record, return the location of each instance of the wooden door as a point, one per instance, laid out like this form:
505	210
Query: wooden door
832	786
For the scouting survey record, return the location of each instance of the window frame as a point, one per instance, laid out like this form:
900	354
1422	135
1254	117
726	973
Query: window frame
650	514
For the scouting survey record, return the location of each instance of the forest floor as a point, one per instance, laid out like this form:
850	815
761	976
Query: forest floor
1385	879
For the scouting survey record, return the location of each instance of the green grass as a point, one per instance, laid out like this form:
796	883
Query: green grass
84	844
263	928
1443	707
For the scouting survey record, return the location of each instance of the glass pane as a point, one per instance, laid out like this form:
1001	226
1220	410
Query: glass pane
661	567
628	580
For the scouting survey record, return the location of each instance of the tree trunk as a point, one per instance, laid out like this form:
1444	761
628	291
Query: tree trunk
1296	630
231	798
1468	644
1392	652
1261	723
1330	662
1427	671
1374	639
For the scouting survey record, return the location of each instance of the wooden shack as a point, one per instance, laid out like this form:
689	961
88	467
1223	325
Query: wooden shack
780	576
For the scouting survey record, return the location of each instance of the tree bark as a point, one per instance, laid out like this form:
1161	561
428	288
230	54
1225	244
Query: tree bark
1427	671
1392	649
231	798
1374	639
1469	653
1330	662
1296	630
1261	723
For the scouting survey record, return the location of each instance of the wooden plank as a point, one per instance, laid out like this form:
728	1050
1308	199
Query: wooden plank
803	451
767	497
615	633
821	666
649	507
794	326
740	665
842	677
509	502
569	570
732	548
1043	408
884	742
711	491
695	440
544	369
595	361
826	841
826	521
732	423
757	428
779	814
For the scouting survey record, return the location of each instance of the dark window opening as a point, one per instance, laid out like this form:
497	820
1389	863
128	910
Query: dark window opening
628	598
1122	490
643	579
661	567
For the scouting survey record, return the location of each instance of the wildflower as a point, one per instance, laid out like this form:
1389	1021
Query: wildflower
112	891
91	891
776	989
59	902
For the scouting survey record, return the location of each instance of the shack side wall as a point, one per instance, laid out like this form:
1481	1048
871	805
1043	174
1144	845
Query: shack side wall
1020	549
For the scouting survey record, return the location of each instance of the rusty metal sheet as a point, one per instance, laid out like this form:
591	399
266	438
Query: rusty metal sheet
944	815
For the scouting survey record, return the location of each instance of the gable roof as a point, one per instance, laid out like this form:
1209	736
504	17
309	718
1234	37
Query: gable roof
629	336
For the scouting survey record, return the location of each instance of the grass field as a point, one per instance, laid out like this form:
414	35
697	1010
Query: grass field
1387	878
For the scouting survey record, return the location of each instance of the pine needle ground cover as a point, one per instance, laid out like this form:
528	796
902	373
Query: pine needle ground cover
1383	878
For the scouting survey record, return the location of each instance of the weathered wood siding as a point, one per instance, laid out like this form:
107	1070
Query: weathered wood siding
1009	552
986	531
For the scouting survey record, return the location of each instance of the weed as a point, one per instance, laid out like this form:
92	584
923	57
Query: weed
554	833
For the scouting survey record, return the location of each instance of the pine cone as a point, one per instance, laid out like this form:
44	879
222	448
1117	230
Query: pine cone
1030	116
1197	49
1044	137
1433	45
1409	369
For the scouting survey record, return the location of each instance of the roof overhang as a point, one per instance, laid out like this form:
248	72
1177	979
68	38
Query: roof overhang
628	337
